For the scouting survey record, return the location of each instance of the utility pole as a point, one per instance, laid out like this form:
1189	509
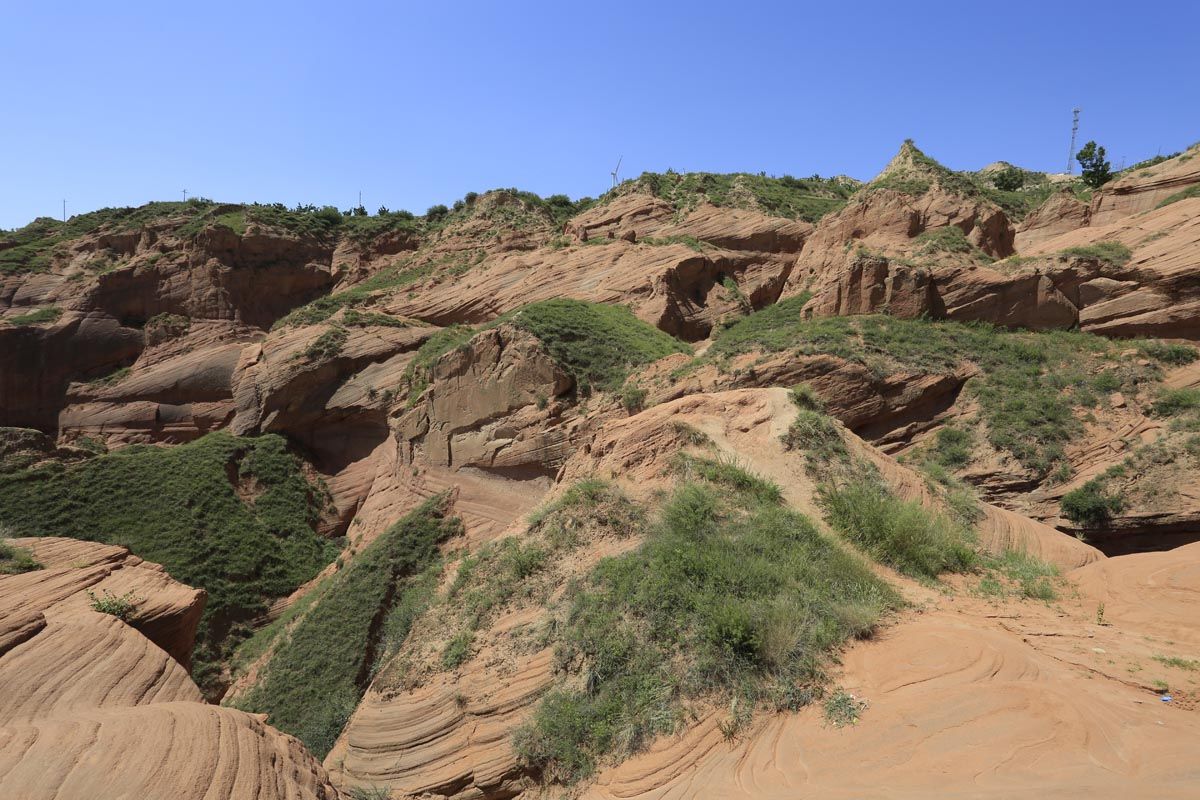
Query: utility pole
360	198
1071	152
64	210
185	195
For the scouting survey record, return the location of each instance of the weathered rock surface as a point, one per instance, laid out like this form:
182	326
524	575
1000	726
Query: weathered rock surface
1145	189
93	707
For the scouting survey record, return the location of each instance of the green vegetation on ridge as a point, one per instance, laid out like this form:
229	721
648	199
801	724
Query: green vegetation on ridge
732	598
794	198
320	669
1028	386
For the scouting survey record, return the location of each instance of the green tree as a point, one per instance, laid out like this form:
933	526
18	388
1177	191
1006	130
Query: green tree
1096	170
1009	179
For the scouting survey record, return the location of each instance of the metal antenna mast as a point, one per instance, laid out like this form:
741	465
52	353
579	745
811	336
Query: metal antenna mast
1071	152
617	169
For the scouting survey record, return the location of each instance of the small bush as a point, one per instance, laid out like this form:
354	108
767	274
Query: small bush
1113	253
805	397
1090	504
817	436
328	345
1174	354
842	709
119	606
633	397
903	535
952	447
38	317
1172	402
15	560
457	650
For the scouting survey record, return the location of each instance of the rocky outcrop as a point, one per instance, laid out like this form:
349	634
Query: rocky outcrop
328	387
488	407
38	363
1144	189
94	707
1061	213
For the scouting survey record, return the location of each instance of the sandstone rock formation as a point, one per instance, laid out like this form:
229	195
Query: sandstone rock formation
94	707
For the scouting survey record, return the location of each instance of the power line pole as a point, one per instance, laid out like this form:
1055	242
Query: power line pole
1071	152
64	210
185	195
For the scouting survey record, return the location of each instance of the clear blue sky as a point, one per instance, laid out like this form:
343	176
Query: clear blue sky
119	103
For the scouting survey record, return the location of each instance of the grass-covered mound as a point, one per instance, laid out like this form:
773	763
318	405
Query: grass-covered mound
234	516
1030	383
597	343
320	669
732	599
806	199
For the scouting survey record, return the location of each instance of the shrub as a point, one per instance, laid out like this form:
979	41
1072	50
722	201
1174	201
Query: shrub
817	436
328	345
119	606
633	397
15	560
842	709
903	535
1090	504
1113	253
952	447
436	213
315	678
805	397
1172	402
1009	179
457	650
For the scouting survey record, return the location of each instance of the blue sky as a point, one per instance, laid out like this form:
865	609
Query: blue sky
414	104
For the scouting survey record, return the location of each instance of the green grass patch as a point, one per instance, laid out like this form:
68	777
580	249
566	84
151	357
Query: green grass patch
416	374
902	534
1189	664
1113	253
328	345
15	560
179	507
794	198
317	675
949	239
729	598
1029	383
37	317
1173	402
1032	578
1186	194
598	344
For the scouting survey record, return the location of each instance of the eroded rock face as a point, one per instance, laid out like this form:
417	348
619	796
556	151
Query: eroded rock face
94	707
1145	189
482	408
333	398
1061	213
